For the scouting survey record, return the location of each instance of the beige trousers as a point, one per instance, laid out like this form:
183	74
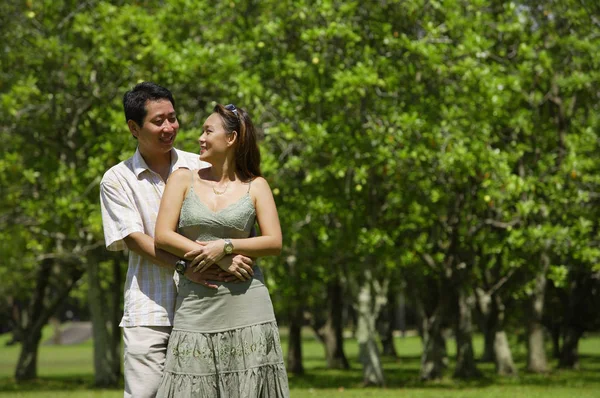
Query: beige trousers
145	349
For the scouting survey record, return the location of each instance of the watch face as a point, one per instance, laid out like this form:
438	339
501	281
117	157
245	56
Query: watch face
180	267
228	247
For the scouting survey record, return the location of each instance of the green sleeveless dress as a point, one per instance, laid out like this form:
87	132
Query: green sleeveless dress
225	342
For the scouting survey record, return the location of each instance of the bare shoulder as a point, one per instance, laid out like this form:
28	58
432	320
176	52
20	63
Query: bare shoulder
180	176
260	190
259	184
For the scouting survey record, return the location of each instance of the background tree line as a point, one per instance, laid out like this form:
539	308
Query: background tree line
445	150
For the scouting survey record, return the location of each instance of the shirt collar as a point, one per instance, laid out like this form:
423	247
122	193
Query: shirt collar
140	165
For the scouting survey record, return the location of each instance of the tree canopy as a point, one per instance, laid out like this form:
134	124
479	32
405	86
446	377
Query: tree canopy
445	146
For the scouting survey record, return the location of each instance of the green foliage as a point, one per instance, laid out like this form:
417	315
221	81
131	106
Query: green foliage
407	138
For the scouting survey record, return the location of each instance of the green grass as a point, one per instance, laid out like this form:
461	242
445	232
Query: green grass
67	371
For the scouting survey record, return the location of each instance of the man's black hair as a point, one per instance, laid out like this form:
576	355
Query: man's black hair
134	101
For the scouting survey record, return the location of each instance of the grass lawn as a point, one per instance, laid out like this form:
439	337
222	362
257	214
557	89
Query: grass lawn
67	371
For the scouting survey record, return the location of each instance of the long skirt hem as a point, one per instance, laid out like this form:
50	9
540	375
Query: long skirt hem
238	363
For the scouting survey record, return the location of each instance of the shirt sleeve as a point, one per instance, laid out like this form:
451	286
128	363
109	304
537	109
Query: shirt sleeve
120	217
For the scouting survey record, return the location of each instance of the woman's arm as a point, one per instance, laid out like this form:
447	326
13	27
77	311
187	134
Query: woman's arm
270	240
168	239
267	244
166	236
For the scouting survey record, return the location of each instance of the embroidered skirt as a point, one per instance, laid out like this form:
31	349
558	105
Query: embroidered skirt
225	343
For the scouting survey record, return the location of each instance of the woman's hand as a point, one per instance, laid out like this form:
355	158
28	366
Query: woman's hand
205	256
238	266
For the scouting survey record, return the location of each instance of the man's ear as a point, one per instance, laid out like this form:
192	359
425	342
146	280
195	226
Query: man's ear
133	127
232	138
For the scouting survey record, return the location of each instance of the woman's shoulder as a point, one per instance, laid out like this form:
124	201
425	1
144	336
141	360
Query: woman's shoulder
259	187
181	175
259	183
259	180
183	171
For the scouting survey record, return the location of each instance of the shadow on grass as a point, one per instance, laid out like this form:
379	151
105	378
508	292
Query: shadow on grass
53	383
400	373
404	373
591	359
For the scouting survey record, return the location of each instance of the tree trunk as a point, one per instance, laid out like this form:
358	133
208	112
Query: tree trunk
401	313
433	356
49	293
104	352
505	365
489	337
27	364
294	357
57	334
370	298
31	327
503	359
569	355
555	333
536	352
332	333
385	326
536	355
465	359
496	348
431	304
16	320
488	323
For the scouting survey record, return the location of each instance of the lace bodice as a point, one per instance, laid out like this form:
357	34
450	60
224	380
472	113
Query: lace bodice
198	222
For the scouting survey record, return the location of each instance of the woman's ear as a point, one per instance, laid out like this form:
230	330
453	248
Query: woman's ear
232	138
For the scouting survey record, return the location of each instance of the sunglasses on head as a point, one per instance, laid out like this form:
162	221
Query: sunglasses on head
232	108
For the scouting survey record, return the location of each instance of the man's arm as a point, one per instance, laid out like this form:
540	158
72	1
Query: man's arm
143	245
123	227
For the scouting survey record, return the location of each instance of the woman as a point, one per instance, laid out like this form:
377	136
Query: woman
225	341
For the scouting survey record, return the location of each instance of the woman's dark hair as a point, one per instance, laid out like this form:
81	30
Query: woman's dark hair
134	101
247	153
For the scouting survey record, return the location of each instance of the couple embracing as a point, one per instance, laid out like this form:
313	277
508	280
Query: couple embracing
198	320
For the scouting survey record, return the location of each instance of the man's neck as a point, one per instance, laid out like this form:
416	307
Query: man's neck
159	163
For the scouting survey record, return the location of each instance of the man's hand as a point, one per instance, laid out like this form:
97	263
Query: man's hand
213	273
239	267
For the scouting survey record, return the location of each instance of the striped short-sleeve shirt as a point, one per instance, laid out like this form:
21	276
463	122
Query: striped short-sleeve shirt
130	196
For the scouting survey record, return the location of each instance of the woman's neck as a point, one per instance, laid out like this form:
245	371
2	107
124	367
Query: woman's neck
222	172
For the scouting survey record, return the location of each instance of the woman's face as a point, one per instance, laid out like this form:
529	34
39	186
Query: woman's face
214	140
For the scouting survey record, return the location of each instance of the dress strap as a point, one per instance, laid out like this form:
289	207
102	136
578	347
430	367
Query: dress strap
192	172
249	185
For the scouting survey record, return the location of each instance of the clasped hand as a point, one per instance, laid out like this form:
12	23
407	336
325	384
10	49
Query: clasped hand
211	252
206	255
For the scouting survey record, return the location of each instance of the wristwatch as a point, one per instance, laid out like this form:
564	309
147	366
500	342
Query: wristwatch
181	266
228	246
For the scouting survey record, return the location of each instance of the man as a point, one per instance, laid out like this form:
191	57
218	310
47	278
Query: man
130	195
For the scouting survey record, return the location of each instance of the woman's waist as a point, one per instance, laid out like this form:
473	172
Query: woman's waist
186	286
258	274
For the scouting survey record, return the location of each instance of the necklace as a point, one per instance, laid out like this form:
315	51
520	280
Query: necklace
221	192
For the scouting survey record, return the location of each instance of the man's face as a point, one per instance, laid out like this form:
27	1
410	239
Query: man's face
159	129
